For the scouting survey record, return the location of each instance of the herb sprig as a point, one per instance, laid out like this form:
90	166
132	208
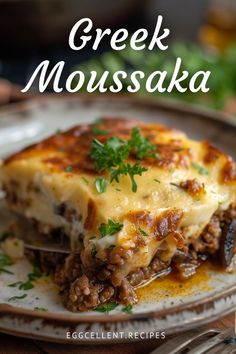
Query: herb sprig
111	228
128	309
112	155
5	261
101	184
201	169
20	297
105	308
96	128
28	284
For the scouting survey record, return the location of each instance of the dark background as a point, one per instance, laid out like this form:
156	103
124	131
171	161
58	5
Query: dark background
34	30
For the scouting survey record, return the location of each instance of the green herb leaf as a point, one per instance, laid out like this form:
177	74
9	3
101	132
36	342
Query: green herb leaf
127	169
68	168
101	184
4	262
40	309
31	277
108	155
106	307
201	170
110	228
14	285
141	145
96	128
26	286
128	309
17	297
97	131
142	232
157	180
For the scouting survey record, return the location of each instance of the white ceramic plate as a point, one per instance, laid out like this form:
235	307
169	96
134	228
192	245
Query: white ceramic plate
197	302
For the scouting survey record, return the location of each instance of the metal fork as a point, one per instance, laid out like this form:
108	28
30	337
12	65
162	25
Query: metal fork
200	341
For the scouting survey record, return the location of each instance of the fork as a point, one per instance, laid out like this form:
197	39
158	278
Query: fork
199	341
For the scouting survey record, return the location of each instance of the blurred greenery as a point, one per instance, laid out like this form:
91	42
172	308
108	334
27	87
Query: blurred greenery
222	82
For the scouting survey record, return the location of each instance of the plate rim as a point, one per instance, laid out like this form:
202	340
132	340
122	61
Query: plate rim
143	101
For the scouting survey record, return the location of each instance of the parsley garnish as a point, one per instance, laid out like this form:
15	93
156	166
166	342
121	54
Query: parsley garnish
96	130
101	184
111	156
201	170
127	169
4	262
14	285
29	283
106	307
110	228
128	309
157	180
69	168
17	297
142	232
40	309
141	145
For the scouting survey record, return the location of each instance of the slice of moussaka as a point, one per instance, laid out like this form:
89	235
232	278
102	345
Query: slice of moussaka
136	200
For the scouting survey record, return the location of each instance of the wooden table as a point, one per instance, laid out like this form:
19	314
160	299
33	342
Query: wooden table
14	345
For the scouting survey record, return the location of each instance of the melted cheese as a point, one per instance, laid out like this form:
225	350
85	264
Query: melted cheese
37	179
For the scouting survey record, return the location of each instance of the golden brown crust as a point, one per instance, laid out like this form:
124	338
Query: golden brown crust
73	147
212	153
193	187
161	226
229	171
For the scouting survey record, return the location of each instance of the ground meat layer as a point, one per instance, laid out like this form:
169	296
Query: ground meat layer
83	290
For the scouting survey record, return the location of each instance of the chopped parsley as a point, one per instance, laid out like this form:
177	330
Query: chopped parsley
85	180
106	307
110	228
142	232
5	261
101	184
111	156
127	169
14	285
141	145
40	309
69	168
157	180
96	129
20	297
28	284
201	169
128	309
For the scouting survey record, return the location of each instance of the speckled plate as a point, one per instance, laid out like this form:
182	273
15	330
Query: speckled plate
168	307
